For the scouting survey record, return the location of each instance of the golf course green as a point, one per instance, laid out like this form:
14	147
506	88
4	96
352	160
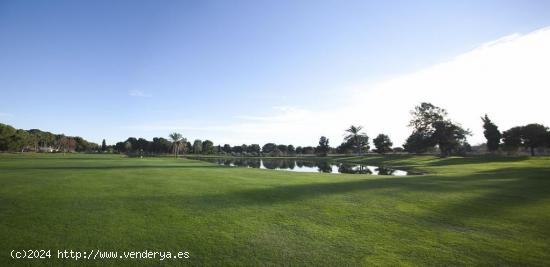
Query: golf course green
485	211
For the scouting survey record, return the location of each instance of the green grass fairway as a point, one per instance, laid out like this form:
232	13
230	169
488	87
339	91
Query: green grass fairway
463	211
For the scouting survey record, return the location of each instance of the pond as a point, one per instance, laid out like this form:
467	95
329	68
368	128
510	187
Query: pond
299	165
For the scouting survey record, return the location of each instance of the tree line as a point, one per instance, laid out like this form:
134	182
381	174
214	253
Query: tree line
432	132
12	139
432	129
530	136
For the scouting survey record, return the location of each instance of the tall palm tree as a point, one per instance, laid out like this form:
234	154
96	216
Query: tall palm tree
176	140
355	135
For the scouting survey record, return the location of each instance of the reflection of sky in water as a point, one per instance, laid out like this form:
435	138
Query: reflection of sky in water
306	166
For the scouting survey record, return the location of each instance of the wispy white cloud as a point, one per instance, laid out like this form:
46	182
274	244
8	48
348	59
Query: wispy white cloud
507	78
138	93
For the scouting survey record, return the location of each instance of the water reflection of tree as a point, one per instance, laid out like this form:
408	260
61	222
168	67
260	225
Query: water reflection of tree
288	164
279	164
284	164
291	164
239	162
253	163
309	164
271	164
324	166
384	171
355	169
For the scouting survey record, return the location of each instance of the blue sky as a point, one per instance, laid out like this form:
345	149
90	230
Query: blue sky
114	69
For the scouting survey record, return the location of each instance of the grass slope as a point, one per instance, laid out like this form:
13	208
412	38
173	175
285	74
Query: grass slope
464	211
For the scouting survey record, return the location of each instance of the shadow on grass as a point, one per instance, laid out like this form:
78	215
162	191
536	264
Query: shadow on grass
516	187
427	160
500	189
475	160
285	194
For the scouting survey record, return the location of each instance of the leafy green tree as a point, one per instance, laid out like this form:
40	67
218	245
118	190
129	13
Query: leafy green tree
162	145
43	139
491	133
67	144
237	149
463	149
254	148
119	147
226	148
382	143
36	136
142	144
268	148
134	142
127	146
85	146
449	137
363	144
299	150
197	146
188	146
419	142
207	147
359	139
345	147
244	148
177	139
323	147
103	145
32	141
425	115
283	149
290	150
512	139
308	150
12	139
431	128
6	133
184	146
534	135
19	140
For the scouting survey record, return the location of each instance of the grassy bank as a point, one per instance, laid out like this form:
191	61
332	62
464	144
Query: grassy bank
464	211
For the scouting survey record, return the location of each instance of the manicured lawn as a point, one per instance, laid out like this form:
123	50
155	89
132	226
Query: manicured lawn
463	211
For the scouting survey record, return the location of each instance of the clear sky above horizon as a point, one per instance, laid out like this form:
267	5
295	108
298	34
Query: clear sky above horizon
268	71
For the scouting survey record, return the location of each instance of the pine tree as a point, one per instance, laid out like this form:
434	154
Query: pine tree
492	134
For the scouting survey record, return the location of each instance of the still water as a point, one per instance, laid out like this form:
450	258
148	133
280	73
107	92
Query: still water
299	165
